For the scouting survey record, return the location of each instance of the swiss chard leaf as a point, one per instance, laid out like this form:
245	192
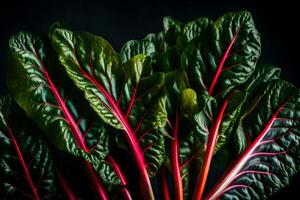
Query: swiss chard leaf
135	47
261	75
225	56
126	96
214	124
184	145
205	119
192	30
56	110
272	154
31	80
26	166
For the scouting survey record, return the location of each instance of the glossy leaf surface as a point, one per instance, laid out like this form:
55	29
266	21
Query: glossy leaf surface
26	166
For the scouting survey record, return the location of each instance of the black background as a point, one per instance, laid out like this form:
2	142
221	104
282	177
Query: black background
119	21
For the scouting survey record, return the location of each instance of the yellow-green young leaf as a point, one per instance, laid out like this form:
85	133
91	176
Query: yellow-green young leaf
188	102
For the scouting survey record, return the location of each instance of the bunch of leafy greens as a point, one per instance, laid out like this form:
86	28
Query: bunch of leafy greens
187	113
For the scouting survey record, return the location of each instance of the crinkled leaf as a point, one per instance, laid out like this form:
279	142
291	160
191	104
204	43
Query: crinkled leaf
185	146
127	96
191	151
58	110
26	166
225	56
192	30
272	155
206	117
135	47
261	75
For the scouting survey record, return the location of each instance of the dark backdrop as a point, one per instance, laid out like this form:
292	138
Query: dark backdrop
119	21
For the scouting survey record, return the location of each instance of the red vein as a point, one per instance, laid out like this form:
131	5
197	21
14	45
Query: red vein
189	160
164	184
96	181
23	164
175	161
211	144
236	187
252	172
132	101
75	131
148	147
122	177
230	175
66	188
219	69
231	67
134	145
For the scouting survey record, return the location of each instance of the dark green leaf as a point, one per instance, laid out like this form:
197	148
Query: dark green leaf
26	166
127	96
58	110
272	154
225	56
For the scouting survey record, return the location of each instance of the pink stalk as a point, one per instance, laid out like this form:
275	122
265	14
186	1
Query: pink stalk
67	190
234	172
24	166
96	181
221	64
122	177
79	140
164	184
175	162
211	144
75	131
137	153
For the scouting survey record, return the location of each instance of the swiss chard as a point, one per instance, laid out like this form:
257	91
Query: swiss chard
27	170
127	97
175	107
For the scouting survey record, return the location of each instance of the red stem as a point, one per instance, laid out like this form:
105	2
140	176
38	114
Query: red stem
137	153
96	181
231	174
23	164
164	184
67	190
175	162
211	144
121	175
221	64
75	131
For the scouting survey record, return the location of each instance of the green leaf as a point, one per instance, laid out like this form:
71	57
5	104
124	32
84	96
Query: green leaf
204	119
185	147
263	73
272	154
188	102
191	152
261	76
135	47
127	96
169	22
225	56
48	98
26	166
192	30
